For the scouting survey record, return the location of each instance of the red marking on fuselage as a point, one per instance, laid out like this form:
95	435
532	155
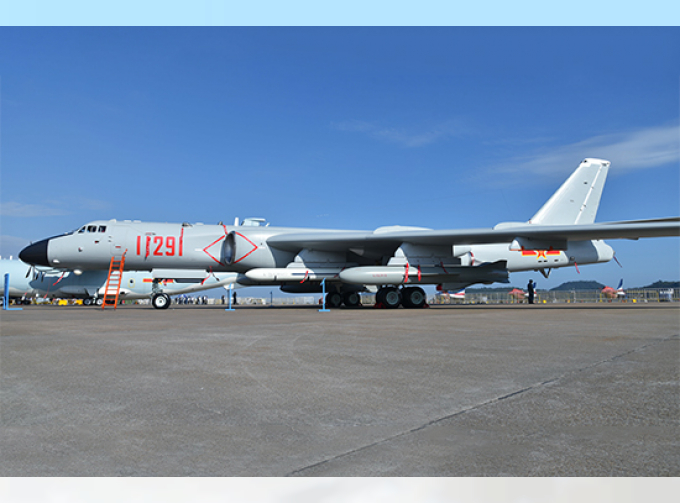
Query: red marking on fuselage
205	250
210	272
251	251
539	253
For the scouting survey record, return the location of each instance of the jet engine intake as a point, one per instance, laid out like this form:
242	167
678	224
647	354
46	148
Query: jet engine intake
241	252
237	248
229	249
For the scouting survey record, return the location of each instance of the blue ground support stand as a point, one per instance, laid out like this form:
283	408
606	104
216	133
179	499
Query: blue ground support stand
231	288
5	304
323	290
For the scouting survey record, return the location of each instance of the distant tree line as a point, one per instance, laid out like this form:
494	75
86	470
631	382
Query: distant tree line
577	285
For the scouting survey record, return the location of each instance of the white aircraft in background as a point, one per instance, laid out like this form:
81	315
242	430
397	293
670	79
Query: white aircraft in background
27	282
614	293
452	294
518	294
396	259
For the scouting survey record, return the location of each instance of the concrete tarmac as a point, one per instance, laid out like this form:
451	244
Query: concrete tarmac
544	390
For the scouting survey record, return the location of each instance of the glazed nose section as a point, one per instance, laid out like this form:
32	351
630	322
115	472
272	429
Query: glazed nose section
36	254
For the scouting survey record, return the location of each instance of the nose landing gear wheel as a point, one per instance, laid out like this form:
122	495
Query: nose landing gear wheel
160	301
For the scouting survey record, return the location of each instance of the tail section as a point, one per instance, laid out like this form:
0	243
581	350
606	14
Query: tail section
577	200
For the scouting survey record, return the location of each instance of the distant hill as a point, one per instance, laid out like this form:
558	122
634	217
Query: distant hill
579	285
573	285
664	284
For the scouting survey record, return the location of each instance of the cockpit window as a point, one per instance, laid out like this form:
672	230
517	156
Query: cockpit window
102	228
82	229
91	228
255	222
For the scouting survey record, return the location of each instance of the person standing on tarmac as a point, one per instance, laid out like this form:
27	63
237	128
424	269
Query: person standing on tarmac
530	288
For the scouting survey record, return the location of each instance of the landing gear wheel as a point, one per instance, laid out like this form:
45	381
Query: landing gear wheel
391	297
87	302
99	301
351	299
380	297
413	297
333	299
160	301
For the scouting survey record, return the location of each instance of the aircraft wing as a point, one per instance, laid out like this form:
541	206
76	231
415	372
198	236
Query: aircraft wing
505	233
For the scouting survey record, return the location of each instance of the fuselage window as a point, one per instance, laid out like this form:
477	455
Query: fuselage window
102	228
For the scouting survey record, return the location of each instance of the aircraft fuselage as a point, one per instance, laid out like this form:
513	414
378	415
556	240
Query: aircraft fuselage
222	248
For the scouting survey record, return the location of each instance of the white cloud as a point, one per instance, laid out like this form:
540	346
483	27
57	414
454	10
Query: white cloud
13	209
52	208
633	150
406	137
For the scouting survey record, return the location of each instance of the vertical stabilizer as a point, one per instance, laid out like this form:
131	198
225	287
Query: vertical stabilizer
578	198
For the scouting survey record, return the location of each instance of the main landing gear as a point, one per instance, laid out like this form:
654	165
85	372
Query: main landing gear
336	299
391	297
388	297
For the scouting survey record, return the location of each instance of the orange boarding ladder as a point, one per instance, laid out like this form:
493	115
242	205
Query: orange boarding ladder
114	281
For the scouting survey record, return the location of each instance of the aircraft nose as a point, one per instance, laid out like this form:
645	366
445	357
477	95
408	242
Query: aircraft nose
36	253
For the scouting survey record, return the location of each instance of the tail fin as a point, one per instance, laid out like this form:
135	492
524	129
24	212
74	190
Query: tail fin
577	200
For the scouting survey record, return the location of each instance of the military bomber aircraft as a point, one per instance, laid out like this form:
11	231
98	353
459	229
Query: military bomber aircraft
395	260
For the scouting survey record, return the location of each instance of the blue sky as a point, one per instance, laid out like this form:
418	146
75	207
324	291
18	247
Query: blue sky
338	13
325	127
